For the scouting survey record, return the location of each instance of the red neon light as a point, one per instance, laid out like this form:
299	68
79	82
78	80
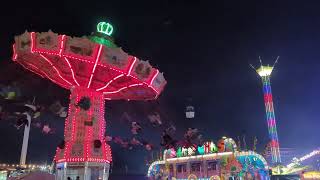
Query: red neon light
44	74
131	66
132	85
112	68
73	131
74	78
83	160
268	97
154	90
271	122
36	68
15	55
32	37
62	45
154	77
95	64
68	118
128	74
30	69
102	120
109	82
90	134
55	68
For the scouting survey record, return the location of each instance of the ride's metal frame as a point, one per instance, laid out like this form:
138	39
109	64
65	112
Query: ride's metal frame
265	73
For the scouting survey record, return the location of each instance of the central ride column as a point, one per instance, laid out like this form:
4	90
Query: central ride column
84	151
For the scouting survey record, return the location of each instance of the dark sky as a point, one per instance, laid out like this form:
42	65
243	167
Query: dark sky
204	48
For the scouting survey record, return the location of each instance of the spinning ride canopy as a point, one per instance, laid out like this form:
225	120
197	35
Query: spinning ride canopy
94	69
92	62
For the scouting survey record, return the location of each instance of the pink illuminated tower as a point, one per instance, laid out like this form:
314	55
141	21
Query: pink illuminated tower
94	69
265	73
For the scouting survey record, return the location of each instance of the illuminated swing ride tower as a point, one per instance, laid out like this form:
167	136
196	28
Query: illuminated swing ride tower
265	73
94	69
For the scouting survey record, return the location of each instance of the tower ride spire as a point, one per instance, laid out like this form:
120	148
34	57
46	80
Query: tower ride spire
265	73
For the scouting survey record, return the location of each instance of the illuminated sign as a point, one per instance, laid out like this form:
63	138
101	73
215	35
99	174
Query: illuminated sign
105	28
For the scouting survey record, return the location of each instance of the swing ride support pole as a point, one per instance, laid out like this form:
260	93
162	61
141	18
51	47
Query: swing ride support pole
25	142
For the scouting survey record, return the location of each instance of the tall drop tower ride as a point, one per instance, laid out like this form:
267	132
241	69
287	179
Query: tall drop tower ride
265	73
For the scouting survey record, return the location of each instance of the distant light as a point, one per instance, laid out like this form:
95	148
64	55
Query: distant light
105	28
190	112
264	71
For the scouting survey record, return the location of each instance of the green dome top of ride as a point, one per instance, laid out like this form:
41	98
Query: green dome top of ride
103	35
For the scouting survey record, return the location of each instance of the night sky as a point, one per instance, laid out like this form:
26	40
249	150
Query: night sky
204	49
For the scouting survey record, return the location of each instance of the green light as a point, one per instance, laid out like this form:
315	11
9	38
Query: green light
179	152
105	41
105	28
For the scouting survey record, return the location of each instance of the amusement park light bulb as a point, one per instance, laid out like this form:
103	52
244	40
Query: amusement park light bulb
105	28
265	71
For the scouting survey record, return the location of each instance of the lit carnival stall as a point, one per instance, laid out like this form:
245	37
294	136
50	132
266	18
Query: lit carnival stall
210	161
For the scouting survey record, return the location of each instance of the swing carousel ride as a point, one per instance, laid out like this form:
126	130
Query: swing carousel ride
94	69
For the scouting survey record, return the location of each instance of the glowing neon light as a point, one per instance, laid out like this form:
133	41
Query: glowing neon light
87	61
32	35
102	120
311	175
112	92
153	164
62	45
89	138
313	153
105	28
31	69
55	69
154	77
109	82
132	85
95	65
73	121
265	73
131	66
53	80
90	131
83	160
67	119
303	158
35	67
213	156
157	92
15	55
72	73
